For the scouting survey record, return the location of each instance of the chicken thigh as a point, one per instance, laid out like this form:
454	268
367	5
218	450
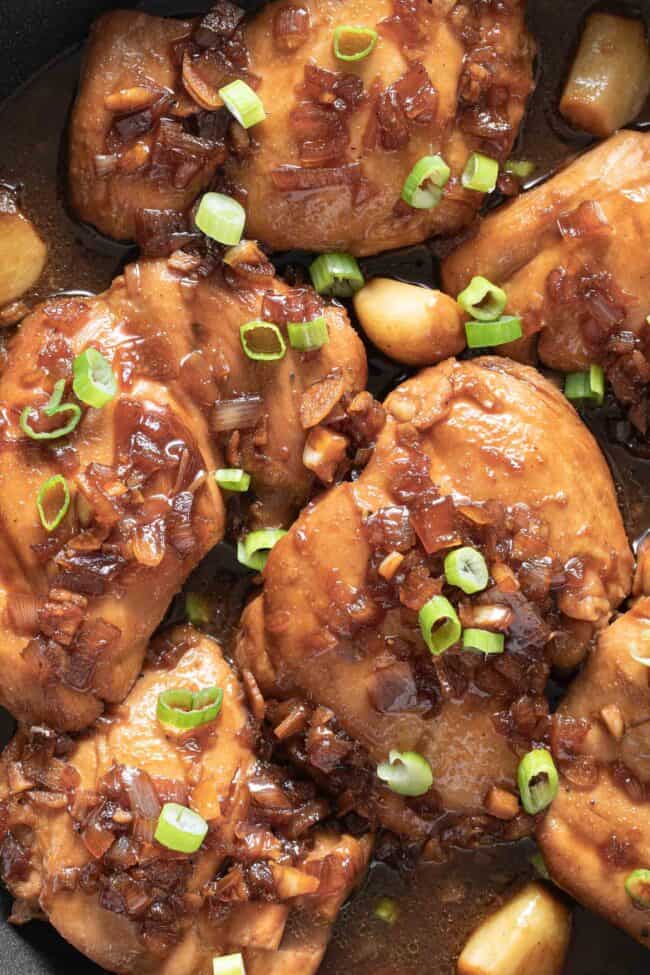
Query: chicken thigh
80	600
78	815
485	454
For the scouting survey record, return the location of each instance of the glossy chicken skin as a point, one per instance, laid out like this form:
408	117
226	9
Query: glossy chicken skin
79	604
77	835
485	453
597	830
572	258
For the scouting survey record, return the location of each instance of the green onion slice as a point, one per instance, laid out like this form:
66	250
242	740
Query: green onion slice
232	479
336	274
198	609
439	625
538	863
93	381
590	386
538	780
180	829
481	173
262	341
55	399
253	550
42	498
407	773
423	186
387	910
354	43
53	407
306	336
221	218
182	710
243	103
228	965
637	886
521	168
483	335
483	641
482	300
466	568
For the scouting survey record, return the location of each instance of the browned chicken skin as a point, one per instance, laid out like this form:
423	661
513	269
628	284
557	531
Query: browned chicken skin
485	453
77	819
79	604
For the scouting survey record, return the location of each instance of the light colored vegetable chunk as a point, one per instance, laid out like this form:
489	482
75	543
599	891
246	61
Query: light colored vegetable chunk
610	77
530	933
22	255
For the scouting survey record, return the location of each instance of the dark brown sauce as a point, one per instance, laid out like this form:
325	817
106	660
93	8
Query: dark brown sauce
439	905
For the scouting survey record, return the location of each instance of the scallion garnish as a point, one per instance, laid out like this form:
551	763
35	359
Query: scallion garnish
307	336
221	218
481	173
406	773
232	479
182	710
354	43
228	965
637	887
43	498
521	168
439	625
180	829
262	341
243	103
53	407
198	609
467	569
483	641
483	335
423	186
387	910
482	300
538	780
253	549
586	386
538	863
336	274
93	381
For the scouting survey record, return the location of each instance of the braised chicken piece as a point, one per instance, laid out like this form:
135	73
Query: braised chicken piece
571	255
483	454
596	834
81	842
135	505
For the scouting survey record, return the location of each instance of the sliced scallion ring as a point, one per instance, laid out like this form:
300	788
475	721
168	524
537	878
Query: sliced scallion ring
198	609
637	887
307	336
406	773
42	498
180	829
221	218
336	274
439	625
483	641
55	399
387	910
538	780
538	863
253	550
467	569
243	103
423	186
53	407
481	173
93	381
232	479
181	710
354	43
262	341
228	965
484	335
482	300
586	386
521	168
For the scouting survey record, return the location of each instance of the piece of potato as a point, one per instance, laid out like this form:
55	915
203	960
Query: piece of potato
610	77
530	933
411	324
22	254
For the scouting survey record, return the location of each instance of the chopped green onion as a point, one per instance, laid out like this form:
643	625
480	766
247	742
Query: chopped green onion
386	909
538	863
467	569
482	300
538	780
336	274
306	336
483	335
253	550
221	218
232	479
423	186
262	341
180	829
198	609
637	886
481	173
483	641
354	43
407	773
52	408
243	103
439	625
228	965
94	381
49	524
55	399
182	710
521	168
588	386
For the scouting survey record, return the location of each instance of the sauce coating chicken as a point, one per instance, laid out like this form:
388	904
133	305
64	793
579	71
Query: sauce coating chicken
597	831
79	603
484	454
77	819
571	255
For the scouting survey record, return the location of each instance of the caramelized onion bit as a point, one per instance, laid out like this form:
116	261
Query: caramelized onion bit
241	413
291	26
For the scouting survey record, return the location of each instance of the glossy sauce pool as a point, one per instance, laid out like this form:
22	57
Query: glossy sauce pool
439	905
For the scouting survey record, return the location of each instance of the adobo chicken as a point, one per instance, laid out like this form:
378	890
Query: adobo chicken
362	639
106	509
154	847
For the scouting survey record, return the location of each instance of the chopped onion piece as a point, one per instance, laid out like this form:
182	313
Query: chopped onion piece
240	413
